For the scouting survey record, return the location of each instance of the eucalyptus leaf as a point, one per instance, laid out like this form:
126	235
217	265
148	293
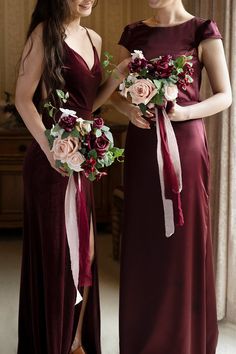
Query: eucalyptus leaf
98	133
109	136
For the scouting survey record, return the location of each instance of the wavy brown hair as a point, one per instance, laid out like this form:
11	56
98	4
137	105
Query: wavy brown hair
52	13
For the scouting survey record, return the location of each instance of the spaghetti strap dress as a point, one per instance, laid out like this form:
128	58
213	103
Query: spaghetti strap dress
48	316
167	291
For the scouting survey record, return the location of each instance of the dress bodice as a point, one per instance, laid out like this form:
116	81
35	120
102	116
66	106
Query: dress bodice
80	81
176	40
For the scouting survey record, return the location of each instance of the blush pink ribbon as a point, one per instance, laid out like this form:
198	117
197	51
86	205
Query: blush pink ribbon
72	230
170	172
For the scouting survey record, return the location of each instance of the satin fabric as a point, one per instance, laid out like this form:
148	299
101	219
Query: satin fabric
167	294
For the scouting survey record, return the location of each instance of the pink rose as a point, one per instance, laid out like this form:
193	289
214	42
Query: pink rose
142	91
171	92
75	160
63	148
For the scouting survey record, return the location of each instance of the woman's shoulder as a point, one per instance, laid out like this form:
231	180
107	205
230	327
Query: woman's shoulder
134	25
206	29
96	38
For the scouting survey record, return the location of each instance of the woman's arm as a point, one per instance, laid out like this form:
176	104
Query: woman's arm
31	69
122	105
212	55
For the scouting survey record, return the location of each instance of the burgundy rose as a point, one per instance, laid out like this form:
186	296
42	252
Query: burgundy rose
98	122
67	122
101	145
137	65
89	166
90	140
163	68
188	69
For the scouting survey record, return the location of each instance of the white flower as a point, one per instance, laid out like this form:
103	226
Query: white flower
131	79
75	161
137	54
56	131
123	89
171	92
67	112
83	126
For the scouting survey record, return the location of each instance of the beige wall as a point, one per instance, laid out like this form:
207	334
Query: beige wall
108	19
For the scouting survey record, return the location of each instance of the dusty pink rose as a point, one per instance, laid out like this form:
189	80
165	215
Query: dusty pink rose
75	160
63	148
142	91
171	92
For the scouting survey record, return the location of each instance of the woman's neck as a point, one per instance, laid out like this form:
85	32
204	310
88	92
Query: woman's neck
173	14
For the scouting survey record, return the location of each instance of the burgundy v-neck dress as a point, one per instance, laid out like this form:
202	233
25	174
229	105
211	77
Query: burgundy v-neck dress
167	296
48	315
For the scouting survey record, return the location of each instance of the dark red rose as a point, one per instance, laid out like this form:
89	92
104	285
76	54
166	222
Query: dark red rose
98	123
89	166
137	65
163	68
67	123
188	69
90	140
101	145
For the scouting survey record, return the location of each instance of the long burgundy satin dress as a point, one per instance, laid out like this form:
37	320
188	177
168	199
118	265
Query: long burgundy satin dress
167	294
48	316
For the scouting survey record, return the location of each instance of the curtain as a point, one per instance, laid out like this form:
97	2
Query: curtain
221	131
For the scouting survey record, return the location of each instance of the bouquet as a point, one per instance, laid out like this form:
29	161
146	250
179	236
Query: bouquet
156	82
78	144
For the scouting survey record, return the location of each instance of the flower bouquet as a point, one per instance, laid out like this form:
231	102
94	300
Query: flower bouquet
156	82
78	144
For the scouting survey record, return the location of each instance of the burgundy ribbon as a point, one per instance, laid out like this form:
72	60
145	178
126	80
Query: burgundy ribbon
170	171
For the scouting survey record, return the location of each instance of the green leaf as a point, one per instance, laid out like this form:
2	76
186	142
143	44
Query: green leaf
49	137
75	133
158	84
51	111
98	133
158	99
105	128
65	135
143	108
60	94
109	136
180	61
93	153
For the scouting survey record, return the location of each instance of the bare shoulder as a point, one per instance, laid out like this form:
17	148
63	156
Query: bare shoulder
96	38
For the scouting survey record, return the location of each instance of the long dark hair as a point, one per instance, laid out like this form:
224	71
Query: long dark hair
52	13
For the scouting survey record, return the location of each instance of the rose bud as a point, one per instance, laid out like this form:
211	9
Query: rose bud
98	122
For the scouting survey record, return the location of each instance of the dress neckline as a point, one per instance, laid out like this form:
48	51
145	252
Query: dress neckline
80	56
167	27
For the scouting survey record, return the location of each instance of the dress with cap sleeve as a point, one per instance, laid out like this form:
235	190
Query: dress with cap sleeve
167	295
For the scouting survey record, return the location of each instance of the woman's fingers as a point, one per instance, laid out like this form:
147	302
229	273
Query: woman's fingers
137	119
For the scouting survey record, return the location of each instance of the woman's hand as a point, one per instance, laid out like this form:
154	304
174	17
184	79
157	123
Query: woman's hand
136	117
123	67
51	160
178	113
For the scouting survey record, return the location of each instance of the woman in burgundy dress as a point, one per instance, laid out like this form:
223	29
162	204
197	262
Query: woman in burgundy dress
59	54
167	295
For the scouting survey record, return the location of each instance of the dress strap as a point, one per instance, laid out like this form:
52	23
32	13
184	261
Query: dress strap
89	36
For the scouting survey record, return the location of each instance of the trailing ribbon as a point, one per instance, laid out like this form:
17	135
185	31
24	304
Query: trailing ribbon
72	231
170	171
